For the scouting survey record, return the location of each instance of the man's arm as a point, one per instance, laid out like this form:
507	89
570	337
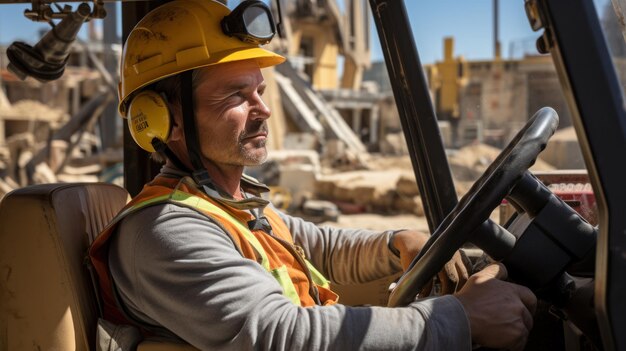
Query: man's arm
184	273
348	256
500	313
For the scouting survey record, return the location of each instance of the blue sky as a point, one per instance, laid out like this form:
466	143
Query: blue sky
468	21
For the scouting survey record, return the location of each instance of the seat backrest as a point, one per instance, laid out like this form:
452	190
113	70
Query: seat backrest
47	299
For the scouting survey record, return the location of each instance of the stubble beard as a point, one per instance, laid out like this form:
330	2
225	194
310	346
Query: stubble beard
258	154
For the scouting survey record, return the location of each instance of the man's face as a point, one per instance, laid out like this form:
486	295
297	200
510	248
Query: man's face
230	115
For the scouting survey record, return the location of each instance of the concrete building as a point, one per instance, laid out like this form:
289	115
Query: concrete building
493	98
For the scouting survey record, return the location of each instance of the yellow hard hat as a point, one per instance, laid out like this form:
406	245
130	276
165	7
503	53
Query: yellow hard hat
178	36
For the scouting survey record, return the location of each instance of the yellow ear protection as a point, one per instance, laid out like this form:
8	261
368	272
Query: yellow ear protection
149	118
150	123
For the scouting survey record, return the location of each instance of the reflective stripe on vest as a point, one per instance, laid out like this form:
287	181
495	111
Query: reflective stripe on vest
280	274
318	278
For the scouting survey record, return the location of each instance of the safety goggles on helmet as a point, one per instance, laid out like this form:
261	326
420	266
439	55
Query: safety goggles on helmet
251	22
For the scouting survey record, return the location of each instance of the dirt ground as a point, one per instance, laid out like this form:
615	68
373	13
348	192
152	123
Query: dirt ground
380	222
385	222
387	195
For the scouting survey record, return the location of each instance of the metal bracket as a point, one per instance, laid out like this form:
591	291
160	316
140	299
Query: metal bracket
545	43
42	11
537	20
534	15
98	10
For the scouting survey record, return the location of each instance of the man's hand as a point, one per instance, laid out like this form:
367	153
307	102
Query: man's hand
409	243
453	275
500	313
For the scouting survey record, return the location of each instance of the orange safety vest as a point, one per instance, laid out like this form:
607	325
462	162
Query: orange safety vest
276	252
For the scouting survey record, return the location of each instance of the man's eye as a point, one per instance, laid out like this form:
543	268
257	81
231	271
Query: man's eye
238	94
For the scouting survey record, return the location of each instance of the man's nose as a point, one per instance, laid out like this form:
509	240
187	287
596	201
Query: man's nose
259	109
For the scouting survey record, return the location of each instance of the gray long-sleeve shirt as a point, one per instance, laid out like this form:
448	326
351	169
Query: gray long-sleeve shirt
175	268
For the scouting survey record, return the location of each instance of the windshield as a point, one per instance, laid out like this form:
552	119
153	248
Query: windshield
335	133
486	79
615	16
614	28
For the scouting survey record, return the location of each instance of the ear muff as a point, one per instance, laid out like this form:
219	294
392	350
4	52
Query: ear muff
149	118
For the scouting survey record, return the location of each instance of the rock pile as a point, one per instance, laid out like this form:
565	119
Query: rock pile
389	186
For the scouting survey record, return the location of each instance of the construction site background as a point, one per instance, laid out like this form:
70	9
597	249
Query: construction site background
337	150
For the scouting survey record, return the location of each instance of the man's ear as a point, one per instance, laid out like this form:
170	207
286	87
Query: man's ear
177	132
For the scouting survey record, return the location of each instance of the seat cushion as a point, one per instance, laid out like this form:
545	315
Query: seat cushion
47	300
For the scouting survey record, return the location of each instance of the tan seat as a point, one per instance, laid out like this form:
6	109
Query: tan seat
47	300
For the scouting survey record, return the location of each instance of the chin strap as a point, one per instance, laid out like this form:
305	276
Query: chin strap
199	173
160	146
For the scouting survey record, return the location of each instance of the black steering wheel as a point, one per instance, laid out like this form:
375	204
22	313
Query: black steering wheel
475	207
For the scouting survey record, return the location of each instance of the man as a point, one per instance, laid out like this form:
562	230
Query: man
200	256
